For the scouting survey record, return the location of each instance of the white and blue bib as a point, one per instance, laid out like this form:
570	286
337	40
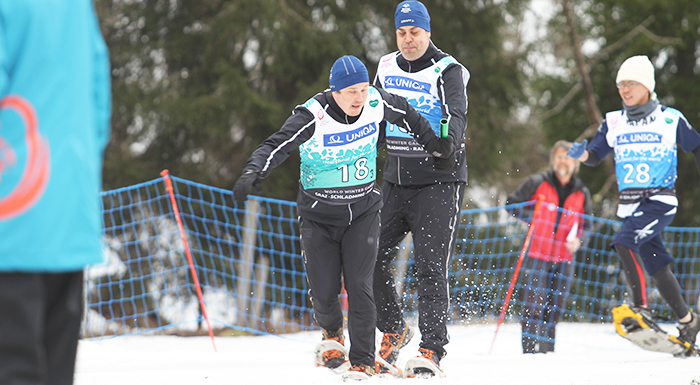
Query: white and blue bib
339	162
420	89
646	155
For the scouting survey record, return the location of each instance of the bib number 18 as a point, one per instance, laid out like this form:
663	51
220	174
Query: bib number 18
361	170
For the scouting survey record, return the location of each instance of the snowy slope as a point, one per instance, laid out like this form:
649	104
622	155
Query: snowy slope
585	354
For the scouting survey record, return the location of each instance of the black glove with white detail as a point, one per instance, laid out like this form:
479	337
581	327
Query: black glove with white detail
443	151
244	184
443	164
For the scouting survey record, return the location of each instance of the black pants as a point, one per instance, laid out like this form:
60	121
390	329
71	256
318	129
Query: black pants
431	214
545	288
40	318
330	250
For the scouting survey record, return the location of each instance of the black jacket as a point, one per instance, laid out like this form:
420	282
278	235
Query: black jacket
301	126
453	96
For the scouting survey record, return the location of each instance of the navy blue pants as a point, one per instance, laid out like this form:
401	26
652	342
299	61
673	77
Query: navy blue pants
640	238
641	232
40	318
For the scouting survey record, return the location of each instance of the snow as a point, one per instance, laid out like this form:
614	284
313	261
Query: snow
585	354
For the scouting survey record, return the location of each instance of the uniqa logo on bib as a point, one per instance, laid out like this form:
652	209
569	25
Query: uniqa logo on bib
343	138
402	83
639	137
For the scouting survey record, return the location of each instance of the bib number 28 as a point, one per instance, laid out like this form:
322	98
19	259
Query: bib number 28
639	174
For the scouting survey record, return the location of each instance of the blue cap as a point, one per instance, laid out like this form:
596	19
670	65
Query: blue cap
347	71
412	13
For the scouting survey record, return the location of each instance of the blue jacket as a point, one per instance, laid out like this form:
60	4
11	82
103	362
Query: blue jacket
55	108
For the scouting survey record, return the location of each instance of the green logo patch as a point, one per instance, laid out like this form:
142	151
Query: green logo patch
373	103
669	120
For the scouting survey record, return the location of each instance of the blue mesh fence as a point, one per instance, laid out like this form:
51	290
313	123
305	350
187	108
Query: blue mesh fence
248	261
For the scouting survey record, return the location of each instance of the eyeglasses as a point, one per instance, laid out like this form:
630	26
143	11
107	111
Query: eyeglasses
629	85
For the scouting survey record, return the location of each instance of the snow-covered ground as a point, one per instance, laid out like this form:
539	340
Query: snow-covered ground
585	354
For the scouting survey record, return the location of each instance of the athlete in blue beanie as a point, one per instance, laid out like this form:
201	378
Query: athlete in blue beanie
337	132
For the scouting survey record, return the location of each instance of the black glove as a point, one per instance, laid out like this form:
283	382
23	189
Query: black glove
443	150
444	164
249	179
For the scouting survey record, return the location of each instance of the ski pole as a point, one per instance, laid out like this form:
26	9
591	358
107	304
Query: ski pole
169	187
521	257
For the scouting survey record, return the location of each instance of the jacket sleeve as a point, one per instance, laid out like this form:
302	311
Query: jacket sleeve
376	83
296	130
103	86
453	95
598	148
397	110
525	191
523	194
4	61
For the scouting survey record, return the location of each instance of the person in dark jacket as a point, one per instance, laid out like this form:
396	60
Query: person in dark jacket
337	132
419	197
558	227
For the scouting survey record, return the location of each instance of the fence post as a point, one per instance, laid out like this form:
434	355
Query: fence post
245	266
262	271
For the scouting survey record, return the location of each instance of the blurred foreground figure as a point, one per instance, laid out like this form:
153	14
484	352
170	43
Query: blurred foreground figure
55	108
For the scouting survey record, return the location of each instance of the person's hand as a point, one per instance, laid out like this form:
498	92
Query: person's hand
573	244
441	148
443	152
249	179
577	149
444	164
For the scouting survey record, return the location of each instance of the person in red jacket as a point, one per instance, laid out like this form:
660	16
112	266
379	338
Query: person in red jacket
556	237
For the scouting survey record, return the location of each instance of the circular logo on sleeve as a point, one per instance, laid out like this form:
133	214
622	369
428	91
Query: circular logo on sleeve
37	170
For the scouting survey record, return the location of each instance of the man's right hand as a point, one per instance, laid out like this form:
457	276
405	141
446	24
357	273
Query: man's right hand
244	184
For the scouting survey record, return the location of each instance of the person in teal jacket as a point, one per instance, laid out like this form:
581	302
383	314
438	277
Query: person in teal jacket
55	109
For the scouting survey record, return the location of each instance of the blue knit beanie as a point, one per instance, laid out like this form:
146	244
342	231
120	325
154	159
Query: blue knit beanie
412	13
347	71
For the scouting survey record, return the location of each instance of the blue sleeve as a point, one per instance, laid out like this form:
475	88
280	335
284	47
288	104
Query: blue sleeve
4	77
103	86
599	145
686	136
